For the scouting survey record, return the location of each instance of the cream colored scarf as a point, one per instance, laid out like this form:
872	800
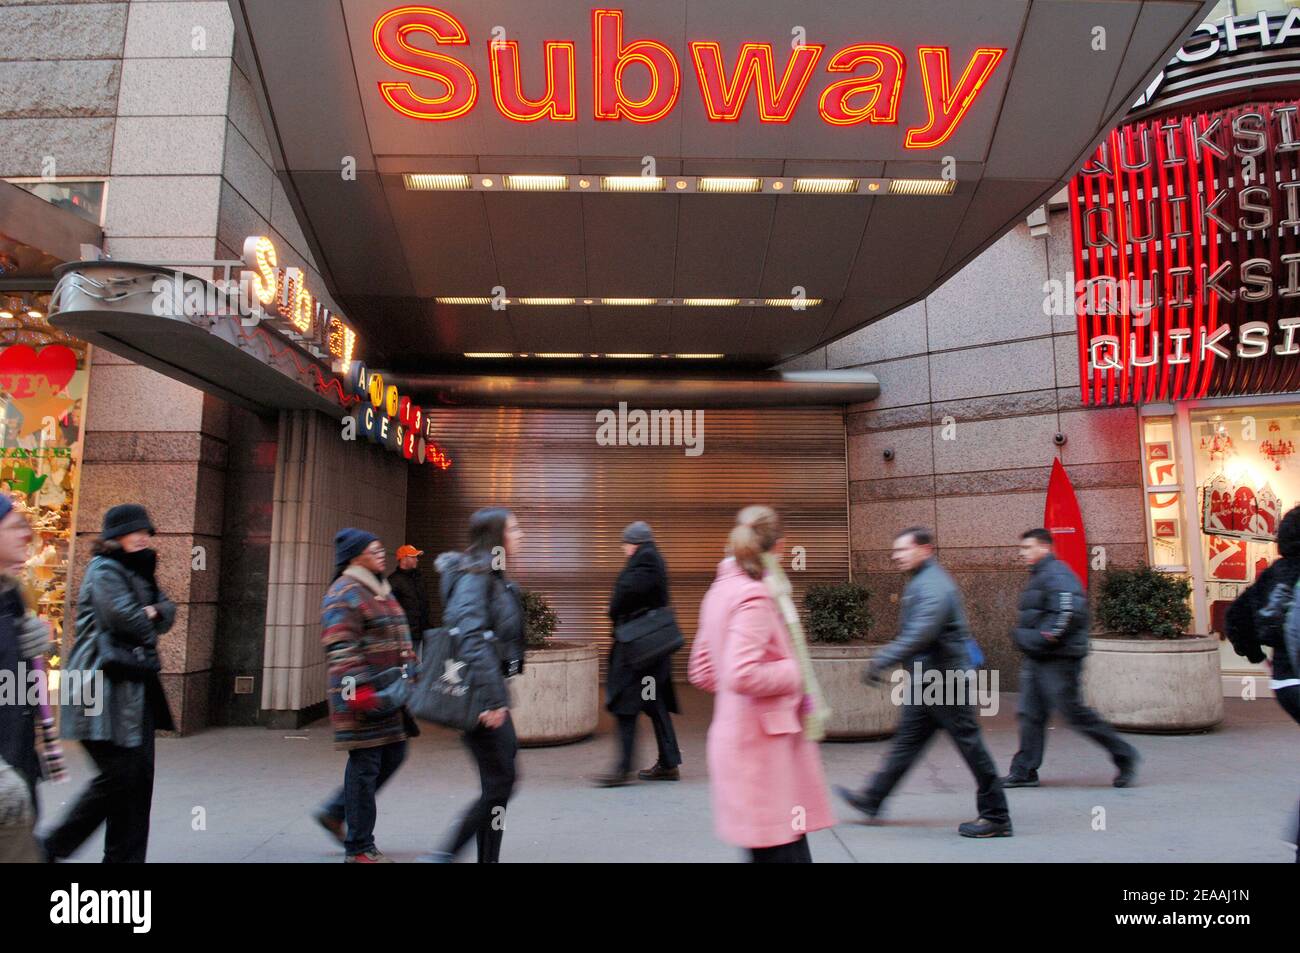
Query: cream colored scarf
814	720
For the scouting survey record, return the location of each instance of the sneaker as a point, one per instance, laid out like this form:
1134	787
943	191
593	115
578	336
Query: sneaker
859	802
1127	772
1020	781
985	828
657	772
371	856
333	826
615	779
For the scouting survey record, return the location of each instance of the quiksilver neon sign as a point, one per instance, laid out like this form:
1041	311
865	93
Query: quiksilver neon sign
728	81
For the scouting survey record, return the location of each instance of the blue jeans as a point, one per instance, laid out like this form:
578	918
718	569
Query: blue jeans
367	771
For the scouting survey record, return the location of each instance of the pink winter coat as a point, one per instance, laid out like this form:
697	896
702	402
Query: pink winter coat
765	776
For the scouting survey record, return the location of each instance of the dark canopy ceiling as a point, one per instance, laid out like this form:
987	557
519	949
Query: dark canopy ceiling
387	252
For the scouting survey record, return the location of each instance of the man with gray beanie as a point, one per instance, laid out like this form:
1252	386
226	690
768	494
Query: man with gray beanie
629	690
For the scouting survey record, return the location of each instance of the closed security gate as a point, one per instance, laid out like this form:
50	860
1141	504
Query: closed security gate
574	481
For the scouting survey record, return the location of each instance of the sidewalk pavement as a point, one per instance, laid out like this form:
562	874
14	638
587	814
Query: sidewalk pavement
246	794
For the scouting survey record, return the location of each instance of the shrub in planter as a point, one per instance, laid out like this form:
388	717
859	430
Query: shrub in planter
837	613
540	620
1138	603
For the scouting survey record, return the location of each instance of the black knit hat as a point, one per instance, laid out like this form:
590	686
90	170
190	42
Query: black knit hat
349	543
1288	534
126	518
638	533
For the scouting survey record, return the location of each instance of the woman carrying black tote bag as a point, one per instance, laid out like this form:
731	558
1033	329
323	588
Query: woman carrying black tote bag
641	588
481	602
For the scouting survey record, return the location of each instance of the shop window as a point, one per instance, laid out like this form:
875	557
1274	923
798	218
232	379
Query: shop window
43	378
83	197
1165	523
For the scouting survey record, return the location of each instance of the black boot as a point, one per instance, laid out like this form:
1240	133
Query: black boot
859	802
1020	780
1127	771
985	828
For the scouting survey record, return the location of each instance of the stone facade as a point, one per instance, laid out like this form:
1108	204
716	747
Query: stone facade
975	382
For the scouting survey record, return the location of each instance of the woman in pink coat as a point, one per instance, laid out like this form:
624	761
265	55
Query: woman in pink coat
765	774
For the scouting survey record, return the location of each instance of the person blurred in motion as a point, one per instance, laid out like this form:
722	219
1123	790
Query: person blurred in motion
642	585
765	772
933	631
24	638
121	612
1052	633
364	632
481	601
1256	618
408	590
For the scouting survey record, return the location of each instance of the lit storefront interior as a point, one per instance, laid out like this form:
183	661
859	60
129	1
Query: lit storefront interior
1188	213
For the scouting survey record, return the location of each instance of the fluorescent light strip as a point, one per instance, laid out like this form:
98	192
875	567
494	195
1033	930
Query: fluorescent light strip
637	302
547	301
710	302
922	186
825	186
556	354
629	302
435	181
631	183
463	300
728	184
698	357
488	354
791	302
537	183
629	356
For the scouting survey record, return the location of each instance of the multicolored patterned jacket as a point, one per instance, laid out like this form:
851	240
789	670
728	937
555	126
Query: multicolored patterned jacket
364	632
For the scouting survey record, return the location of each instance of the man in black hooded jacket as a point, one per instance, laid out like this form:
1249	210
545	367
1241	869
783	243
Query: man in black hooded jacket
1256	617
1052	633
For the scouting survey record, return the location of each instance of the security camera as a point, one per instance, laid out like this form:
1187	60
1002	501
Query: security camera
889	454
1059	439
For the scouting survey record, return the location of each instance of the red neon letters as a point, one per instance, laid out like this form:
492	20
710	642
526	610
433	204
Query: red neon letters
655	77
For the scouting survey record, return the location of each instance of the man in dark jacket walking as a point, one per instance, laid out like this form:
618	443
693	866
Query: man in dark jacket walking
933	632
408	590
1052	633
641	586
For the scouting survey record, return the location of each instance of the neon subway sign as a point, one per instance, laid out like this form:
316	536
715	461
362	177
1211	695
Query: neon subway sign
866	79
387	418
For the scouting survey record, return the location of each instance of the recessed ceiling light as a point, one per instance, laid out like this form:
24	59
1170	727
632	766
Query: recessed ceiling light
435	182
630	355
547	301
791	302
631	183
537	183
556	354
33	313
696	357
711	302
629	302
680	183
7	315
922	186
463	300
716	183
822	186
486	183
488	354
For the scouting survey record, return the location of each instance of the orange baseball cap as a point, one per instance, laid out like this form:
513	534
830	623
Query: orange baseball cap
408	550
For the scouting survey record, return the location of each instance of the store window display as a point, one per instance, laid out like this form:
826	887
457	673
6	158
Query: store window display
43	377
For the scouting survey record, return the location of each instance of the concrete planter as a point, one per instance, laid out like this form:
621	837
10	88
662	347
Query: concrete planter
557	698
1155	685
858	712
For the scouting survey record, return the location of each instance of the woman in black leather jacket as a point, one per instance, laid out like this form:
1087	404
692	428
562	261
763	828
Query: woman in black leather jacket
480	600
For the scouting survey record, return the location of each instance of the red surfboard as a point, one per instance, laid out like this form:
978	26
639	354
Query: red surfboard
1062	518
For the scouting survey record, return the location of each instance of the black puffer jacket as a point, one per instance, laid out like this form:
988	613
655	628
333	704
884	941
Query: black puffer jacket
1054	620
1256	617
642	585
408	590
487	608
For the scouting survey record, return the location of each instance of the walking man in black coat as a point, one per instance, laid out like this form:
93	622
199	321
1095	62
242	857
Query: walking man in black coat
408	590
641	586
1052	633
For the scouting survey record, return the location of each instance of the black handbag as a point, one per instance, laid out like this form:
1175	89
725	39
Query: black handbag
444	694
649	637
125	663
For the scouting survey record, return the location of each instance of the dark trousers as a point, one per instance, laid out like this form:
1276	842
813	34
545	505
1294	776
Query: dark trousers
796	852
1289	699
368	770
120	797
917	727
670	755
484	822
1054	683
